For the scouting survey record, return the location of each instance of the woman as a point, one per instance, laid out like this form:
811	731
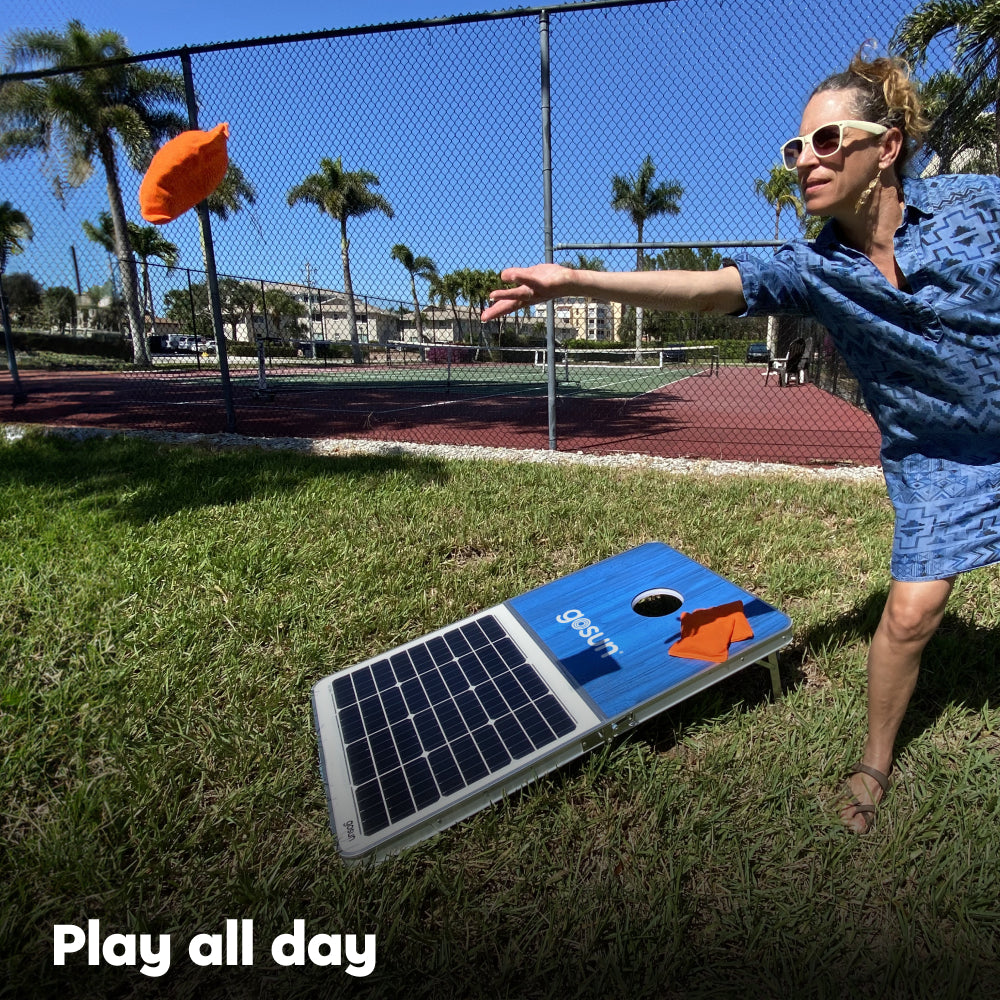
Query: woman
906	278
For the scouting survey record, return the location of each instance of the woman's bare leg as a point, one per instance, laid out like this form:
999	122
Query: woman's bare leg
912	614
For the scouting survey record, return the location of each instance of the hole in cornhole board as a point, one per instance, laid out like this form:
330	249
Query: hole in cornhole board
657	602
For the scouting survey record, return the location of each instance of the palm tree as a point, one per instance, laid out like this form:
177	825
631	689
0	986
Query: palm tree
779	191
975	25
343	194
146	242
239	300
642	201
416	267
82	115
233	191
281	307
15	229
447	288
962	138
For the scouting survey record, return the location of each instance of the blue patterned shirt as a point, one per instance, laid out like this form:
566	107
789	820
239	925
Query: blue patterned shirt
927	358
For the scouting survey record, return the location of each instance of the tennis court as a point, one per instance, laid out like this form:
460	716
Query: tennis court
679	410
437	374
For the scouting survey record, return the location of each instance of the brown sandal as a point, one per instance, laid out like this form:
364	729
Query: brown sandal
867	811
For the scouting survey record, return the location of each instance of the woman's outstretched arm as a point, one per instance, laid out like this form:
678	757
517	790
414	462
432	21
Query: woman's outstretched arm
671	291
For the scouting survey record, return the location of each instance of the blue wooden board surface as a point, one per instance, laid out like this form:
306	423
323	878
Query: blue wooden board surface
620	658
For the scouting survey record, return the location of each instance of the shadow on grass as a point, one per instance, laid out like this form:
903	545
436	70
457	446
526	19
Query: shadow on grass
142	481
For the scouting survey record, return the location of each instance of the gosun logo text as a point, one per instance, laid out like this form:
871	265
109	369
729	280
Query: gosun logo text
592	633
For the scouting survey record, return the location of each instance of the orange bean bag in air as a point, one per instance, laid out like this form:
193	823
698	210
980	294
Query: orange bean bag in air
707	632
185	171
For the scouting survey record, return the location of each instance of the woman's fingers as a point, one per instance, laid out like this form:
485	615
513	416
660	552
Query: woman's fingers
531	286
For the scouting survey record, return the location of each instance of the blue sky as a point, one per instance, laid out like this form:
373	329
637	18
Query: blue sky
449	120
151	27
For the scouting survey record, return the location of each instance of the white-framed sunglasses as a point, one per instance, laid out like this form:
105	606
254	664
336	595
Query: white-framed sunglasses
825	140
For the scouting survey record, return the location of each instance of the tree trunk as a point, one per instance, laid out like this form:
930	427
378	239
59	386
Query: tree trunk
352	319
126	262
147	296
416	311
8	338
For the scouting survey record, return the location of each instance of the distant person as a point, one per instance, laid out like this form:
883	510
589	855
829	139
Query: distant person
906	277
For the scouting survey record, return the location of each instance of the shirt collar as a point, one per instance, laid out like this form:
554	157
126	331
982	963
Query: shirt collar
915	197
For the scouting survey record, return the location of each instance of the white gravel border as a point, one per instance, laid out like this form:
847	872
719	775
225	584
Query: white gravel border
360	446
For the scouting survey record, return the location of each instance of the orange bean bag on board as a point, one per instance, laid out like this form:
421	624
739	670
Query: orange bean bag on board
185	171
707	632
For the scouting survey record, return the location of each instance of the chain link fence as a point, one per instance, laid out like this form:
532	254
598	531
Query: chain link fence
478	142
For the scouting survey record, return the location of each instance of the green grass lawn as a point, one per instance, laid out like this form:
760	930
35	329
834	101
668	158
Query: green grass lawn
165	611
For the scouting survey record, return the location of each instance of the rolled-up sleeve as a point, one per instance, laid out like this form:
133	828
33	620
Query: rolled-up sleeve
771	287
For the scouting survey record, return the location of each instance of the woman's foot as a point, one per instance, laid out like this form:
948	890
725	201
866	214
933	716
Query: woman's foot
866	787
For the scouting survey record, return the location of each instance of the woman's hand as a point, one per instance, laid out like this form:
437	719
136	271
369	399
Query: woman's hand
532	285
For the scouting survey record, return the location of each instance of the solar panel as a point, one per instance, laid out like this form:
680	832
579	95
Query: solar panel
426	734
419	727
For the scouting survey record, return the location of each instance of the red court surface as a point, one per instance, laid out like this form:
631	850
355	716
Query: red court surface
732	416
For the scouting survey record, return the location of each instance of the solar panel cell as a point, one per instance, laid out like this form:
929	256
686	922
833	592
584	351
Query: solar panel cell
491	748
446	772
512	691
436	690
471	709
371	808
421	782
352	726
407	741
402	666
454	678
473	669
364	684
475	636
373	714
451	721
384	751
413	693
535	726
343	691
360	763
395	707
528	678
555	715
438	648
491	700
398	800
429	731
514	739
457	643
469	761
383	676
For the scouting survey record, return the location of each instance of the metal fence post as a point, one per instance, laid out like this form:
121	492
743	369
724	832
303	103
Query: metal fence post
550	318
209	250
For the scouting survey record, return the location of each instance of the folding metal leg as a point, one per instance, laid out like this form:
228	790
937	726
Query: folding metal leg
772	666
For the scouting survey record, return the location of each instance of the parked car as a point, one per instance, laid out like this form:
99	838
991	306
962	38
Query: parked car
757	353
675	352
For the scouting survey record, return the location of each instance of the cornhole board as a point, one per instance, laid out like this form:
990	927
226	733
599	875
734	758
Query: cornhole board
429	733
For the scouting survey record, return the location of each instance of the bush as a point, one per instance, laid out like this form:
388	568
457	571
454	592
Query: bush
95	344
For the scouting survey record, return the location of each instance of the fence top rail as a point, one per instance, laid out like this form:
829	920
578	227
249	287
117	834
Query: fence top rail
510	13
670	246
